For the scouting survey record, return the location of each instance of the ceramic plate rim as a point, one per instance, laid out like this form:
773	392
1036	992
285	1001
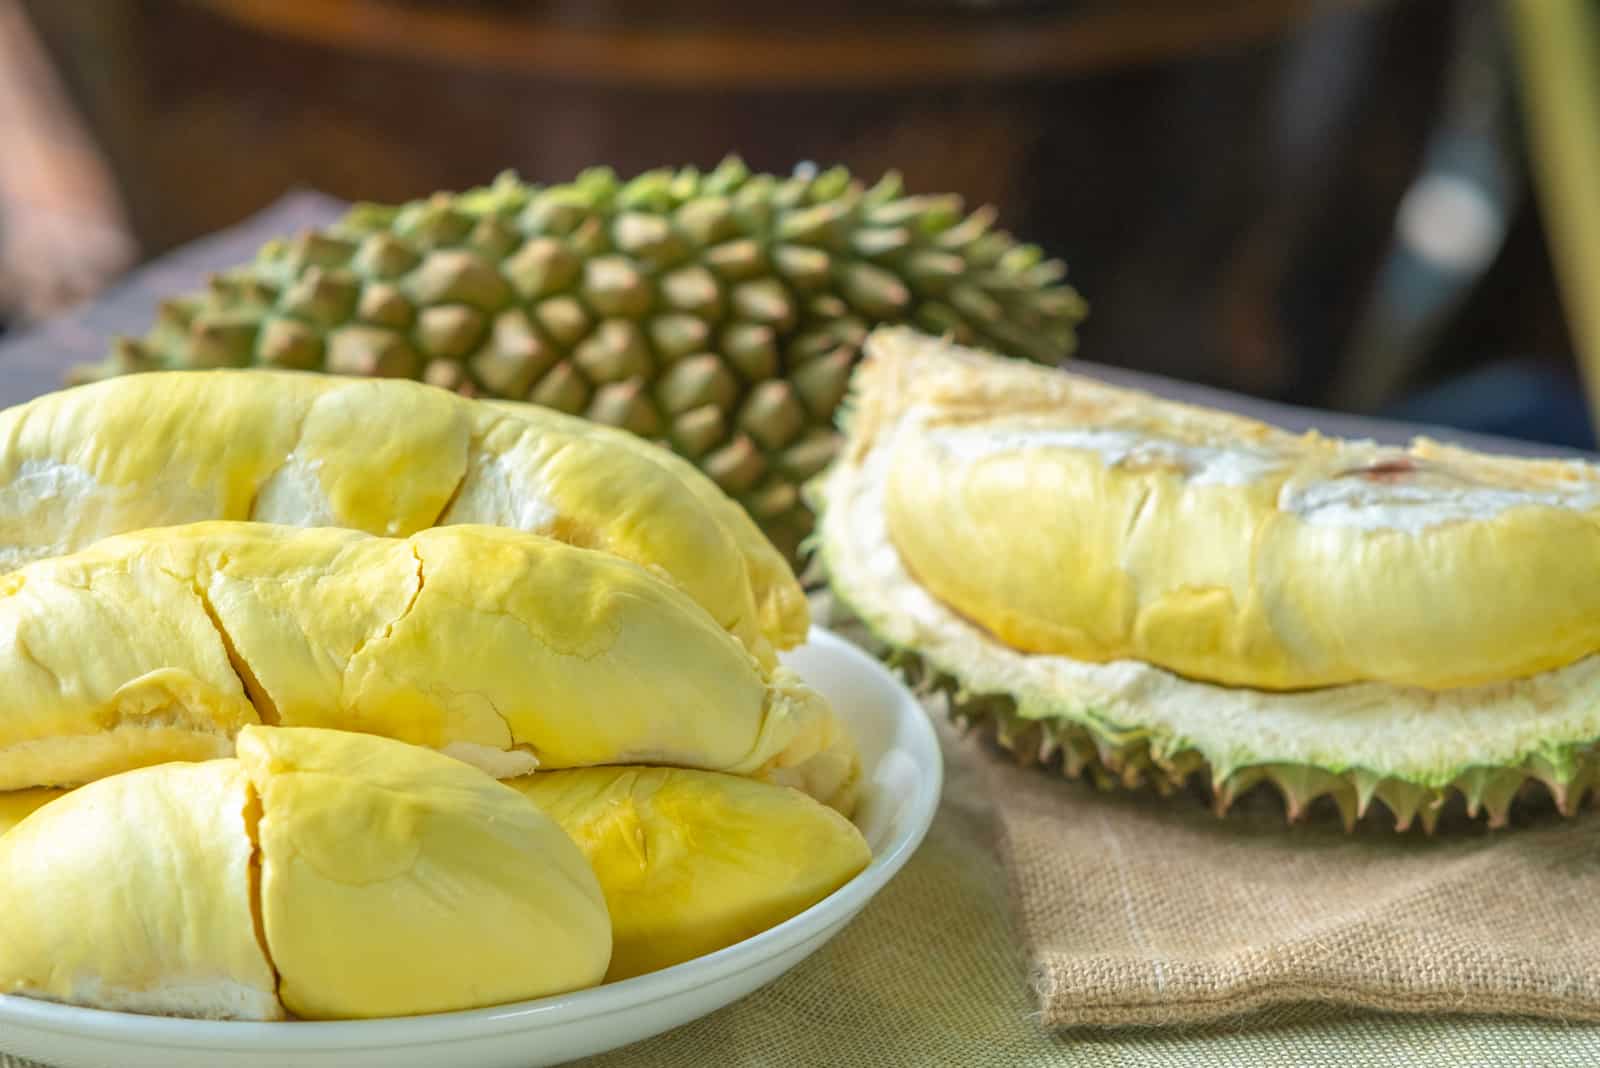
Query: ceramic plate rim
832	911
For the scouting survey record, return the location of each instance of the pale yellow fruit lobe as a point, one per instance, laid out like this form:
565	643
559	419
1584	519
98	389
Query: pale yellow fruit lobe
386	457
1070	517
395	881
506	648
134	893
692	861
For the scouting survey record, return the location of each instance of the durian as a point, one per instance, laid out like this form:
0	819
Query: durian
1156	593
320	873
385	457
506	649
693	861
718	312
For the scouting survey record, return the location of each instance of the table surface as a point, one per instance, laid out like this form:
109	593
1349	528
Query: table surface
930	973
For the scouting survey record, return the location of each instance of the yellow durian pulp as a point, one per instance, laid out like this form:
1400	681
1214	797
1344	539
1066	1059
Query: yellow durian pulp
1073	518
693	861
386	457
321	873
507	649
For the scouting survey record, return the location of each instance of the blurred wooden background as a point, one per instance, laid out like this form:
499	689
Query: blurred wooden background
1222	177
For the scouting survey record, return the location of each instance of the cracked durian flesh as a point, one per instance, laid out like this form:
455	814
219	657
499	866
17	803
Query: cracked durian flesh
507	649
694	861
1150	590
386	457
325	874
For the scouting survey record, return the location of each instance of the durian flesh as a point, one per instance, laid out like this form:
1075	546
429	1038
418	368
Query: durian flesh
1111	527
389	458
322	873
694	861
507	649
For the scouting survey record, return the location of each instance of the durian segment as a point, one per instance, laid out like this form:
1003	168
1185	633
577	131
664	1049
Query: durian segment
395	881
18	805
509	649
1070	517
134	893
718	311
1132	723
385	457
694	861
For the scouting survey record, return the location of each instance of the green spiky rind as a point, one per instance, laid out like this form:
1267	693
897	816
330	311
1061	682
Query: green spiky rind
718	312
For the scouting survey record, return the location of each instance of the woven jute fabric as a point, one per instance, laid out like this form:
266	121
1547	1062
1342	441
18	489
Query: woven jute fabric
1139	911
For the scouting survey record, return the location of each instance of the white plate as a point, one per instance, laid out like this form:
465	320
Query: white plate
901	771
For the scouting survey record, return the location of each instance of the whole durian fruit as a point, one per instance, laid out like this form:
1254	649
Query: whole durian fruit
719	313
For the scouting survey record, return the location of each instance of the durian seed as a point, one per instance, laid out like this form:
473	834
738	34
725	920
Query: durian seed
752	348
384	256
514	356
613	287
286	343
615	351
458	276
695	381
707	221
368	350
822	382
562	388
764	301
676	336
322	297
874	291
695	432
563	318
736	466
874	243
311	249
771	499
541	267
382	304
693	290
446	374
222	340
625	405
649	237
828	306
736	260
821	224
450	331
771	414
809	455
804	268
493	238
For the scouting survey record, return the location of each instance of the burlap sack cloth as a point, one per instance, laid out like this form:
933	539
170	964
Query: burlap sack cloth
1040	911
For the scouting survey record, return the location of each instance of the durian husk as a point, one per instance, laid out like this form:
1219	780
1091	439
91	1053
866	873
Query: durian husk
717	312
1073	733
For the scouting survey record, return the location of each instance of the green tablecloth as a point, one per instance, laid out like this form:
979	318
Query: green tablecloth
931	973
